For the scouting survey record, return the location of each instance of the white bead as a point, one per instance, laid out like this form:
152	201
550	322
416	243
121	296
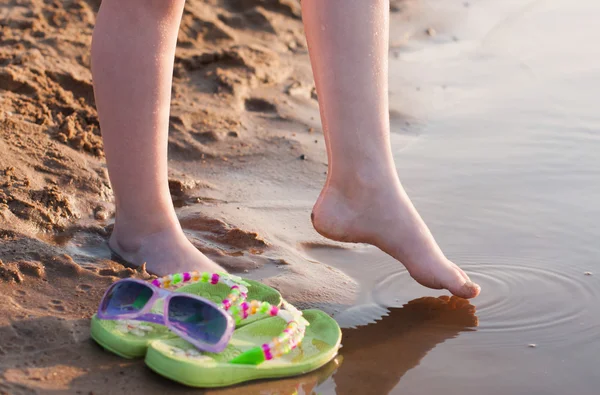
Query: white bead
286	315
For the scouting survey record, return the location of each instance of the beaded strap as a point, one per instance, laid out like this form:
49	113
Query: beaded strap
239	287
289	339
178	279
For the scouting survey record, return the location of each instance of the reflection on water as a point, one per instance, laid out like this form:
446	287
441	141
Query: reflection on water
374	357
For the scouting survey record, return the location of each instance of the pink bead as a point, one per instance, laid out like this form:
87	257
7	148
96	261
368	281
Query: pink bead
214	279
187	276
226	304
245	306
267	352
156	283
274	310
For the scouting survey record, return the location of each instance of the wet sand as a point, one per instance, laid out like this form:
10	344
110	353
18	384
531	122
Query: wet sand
495	135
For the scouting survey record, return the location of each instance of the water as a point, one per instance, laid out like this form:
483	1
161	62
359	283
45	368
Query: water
505	169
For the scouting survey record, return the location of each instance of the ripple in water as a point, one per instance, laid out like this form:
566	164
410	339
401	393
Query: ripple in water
542	304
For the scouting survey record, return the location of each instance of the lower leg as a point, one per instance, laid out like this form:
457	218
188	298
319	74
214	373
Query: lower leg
363	199
132	61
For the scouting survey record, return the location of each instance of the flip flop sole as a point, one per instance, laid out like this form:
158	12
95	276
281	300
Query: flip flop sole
130	339
179	361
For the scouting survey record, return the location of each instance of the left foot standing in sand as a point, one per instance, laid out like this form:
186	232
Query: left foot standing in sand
133	52
363	200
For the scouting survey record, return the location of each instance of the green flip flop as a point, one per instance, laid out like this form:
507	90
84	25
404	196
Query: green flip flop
180	361
130	339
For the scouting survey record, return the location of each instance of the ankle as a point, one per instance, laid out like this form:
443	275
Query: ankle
362	181
129	233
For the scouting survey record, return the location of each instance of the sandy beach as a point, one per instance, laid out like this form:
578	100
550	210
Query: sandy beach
495	134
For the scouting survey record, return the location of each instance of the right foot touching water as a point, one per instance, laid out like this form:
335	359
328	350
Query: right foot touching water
381	214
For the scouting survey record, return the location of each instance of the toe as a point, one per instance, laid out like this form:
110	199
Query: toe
461	285
465	290
470	290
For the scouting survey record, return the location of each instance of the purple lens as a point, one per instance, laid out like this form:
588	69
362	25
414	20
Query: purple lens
197	319
125	297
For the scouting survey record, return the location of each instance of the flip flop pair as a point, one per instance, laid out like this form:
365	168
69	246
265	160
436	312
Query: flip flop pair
271	339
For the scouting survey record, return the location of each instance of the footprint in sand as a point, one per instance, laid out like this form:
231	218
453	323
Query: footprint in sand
84	287
256	104
57	305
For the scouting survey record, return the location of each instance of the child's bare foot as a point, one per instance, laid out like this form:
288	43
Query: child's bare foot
164	252
376	210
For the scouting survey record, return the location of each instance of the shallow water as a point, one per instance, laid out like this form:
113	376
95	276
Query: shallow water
504	168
